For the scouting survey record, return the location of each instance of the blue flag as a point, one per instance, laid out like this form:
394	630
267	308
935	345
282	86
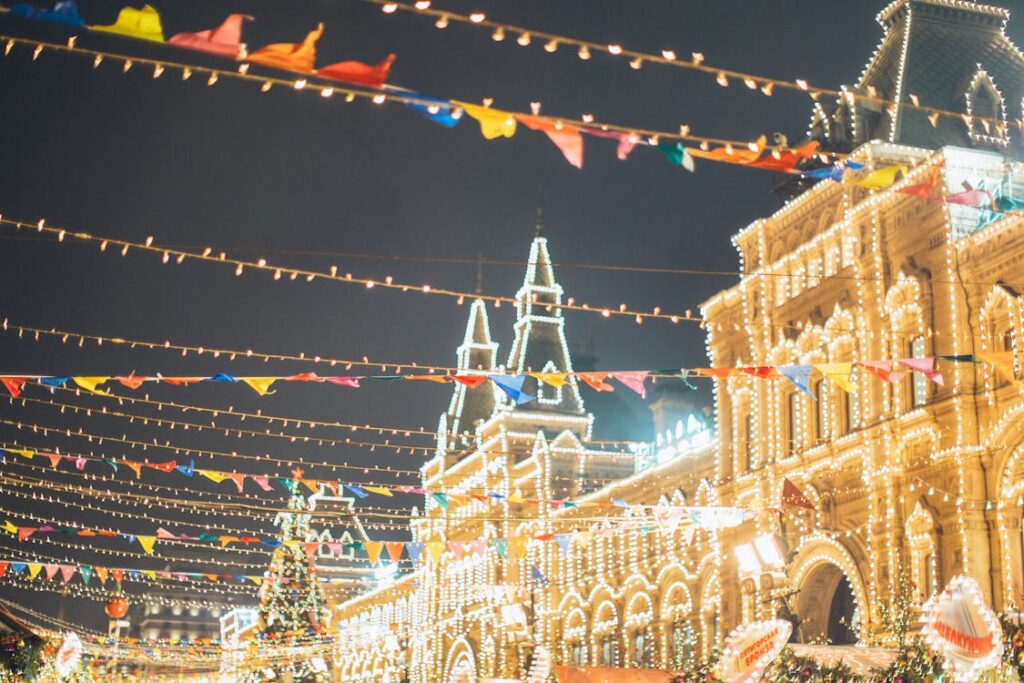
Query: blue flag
512	385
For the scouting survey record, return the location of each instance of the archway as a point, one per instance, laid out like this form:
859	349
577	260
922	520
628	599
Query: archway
461	663
827	606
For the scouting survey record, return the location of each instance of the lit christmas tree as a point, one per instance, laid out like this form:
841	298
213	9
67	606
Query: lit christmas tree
292	608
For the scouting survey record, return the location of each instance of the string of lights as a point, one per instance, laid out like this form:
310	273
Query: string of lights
167	254
327	89
764	85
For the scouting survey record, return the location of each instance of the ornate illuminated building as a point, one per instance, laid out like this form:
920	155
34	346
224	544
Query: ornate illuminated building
912	480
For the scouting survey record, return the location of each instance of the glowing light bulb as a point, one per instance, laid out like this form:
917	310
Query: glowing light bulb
584	53
389	7
551	46
498	35
523	39
670	55
477	17
615	49
442	22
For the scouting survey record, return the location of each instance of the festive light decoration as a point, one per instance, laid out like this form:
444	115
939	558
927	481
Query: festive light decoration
750	648
764	84
298	59
959	624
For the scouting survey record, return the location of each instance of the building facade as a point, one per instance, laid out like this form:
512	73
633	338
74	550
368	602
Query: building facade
913	479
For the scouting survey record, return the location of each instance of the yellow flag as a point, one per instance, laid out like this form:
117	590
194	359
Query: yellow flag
554	379
515	499
23	452
435	548
91	383
882	178
10	528
255	579
34	569
517	547
493	122
148	573
838	373
379	490
137	23
1002	361
373	549
261	385
213	475
147	543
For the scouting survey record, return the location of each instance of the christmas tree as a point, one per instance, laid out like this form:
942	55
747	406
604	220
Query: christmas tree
292	608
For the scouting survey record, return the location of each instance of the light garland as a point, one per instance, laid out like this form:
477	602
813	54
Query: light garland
696	62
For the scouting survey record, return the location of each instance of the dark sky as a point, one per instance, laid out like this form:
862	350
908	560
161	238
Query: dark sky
130	156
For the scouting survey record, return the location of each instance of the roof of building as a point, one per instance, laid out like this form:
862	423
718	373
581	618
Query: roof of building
952	55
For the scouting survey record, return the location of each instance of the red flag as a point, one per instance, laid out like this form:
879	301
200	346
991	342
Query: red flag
924	190
785	161
370	75
132	381
793	497
976	198
471	381
14	384
595	380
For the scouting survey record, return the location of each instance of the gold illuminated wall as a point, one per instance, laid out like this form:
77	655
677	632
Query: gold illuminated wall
907	478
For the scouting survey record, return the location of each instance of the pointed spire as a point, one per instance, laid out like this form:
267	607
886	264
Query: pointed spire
477	354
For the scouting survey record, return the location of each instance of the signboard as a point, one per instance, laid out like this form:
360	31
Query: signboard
69	654
958	624
752	647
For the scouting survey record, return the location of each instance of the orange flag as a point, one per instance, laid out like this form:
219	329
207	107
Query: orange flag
595	380
373	549
290	56
395	550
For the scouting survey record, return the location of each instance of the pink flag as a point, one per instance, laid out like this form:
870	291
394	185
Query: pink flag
975	198
51	571
926	366
225	40
334	547
164	533
634	380
566	138
347	381
626	140
457	549
262	480
66	572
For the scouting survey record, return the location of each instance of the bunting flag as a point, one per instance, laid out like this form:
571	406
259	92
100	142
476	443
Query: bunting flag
835	172
512	385
373	550
595	380
879	179
974	198
884	369
147	543
717	518
838	373
435	109
414	550
441	499
517	547
1002	362
493	123
290	56
677	154
552	379
63	12
370	75
14	385
471	381
785	161
924	190
926	366
434	550
633	380
799	375
261	385
224	41
91	384
568	139
136	23
501	546
627	141
563	541
394	549
793	497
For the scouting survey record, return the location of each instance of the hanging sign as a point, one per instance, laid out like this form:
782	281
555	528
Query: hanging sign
752	647
69	654
959	624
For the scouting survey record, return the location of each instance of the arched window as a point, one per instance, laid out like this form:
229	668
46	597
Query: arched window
821	411
747	445
793	430
986	110
918	381
851	403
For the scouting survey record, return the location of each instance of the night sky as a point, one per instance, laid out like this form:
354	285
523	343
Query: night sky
272	175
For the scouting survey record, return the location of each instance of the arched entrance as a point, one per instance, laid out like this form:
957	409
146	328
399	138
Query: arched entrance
461	663
827	607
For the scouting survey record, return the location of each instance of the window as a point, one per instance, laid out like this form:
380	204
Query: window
793	431
821	411
918	382
608	650
577	653
929	575
641	658
749	452
851	404
683	640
